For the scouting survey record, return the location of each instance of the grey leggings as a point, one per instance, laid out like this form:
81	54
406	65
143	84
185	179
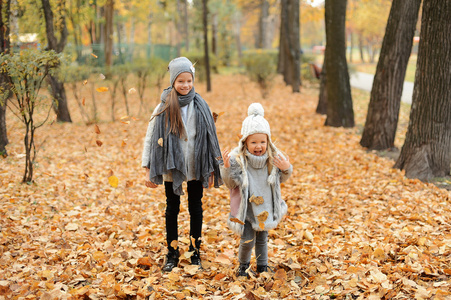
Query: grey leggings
250	238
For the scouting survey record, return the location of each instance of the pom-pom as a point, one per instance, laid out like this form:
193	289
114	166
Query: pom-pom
256	109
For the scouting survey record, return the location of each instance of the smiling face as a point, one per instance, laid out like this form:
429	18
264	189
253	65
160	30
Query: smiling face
257	143
183	83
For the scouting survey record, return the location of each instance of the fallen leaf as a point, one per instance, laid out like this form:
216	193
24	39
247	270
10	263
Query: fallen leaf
258	200
160	142
281	274
236	220
162	206
191	269
102	89
129	184
222	259
145	261
71	227
174	244
113	181
263	216
308	235
99	143
96	129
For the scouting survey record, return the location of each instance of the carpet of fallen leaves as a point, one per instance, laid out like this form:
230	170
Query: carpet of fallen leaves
87	228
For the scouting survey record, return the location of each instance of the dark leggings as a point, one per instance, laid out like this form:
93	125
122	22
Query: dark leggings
195	193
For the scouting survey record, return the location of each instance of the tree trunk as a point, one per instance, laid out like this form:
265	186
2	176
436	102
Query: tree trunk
178	29
282	39
383	110
149	34
58	92
426	152
289	46
74	18
263	23
362	56
237	32
214	34
131	41
185	24
322	102
207	58
339	101
351	47
5	12
109	15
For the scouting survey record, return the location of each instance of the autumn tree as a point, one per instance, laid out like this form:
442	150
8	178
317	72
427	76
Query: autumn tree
426	150
289	45
108	45
53	43
383	111
321	108
25	76
367	20
5	11
206	54
339	100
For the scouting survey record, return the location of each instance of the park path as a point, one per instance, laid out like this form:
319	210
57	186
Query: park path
364	81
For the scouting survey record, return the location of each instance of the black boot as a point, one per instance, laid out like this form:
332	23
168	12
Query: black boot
195	258
261	269
242	270
172	260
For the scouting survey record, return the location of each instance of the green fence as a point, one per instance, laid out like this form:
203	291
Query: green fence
122	53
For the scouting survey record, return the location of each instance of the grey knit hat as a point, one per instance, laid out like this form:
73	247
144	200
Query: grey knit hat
180	65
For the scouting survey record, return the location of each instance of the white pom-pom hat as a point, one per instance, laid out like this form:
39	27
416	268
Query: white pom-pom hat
255	122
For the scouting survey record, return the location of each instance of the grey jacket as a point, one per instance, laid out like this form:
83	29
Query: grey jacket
187	142
236	178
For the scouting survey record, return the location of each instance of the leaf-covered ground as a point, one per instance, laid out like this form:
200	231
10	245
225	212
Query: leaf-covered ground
355	229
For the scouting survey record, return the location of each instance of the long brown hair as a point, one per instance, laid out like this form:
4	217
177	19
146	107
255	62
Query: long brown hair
173	114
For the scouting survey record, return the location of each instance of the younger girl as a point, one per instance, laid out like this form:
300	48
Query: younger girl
181	145
253	172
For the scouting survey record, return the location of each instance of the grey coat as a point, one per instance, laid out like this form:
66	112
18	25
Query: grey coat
236	179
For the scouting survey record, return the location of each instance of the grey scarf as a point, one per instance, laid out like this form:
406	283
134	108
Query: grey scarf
165	148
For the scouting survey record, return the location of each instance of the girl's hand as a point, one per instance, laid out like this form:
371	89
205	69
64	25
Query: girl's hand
147	182
226	158
283	163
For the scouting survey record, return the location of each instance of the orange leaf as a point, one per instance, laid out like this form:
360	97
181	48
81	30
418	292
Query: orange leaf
96	129
102	89
281	274
263	216
99	143
256	199
236	220
145	261
174	244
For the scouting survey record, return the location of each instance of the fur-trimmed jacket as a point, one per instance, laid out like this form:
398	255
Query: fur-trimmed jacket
265	208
